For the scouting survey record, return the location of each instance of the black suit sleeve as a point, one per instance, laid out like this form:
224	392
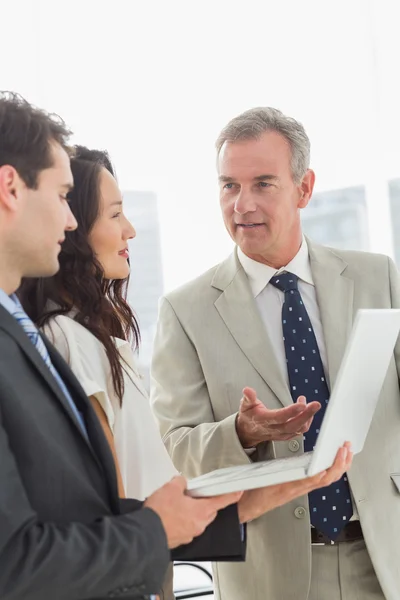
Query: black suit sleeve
223	540
124	554
128	505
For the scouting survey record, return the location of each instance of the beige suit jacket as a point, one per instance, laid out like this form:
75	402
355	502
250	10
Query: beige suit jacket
210	343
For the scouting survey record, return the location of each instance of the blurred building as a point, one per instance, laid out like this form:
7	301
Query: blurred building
146	280
338	218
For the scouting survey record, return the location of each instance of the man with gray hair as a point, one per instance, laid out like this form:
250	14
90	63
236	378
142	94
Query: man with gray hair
276	316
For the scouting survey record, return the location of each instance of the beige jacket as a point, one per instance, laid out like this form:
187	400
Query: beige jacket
210	343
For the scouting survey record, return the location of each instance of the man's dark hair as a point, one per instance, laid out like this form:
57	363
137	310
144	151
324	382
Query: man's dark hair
26	134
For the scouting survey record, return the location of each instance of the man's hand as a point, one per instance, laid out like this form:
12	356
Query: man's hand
255	423
185	518
255	503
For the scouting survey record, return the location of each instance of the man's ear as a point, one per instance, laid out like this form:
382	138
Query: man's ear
11	186
306	188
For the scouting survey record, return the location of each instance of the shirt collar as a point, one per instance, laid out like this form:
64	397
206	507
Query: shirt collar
10	303
259	275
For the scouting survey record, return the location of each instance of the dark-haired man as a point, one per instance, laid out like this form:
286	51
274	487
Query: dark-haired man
63	533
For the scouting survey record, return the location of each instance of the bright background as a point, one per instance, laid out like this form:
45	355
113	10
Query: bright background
154	81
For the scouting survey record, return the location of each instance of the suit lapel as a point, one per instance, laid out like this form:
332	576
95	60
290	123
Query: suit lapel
98	443
335	300
8	324
238	310
100	453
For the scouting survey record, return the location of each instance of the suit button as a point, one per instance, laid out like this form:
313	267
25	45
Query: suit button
293	445
300	512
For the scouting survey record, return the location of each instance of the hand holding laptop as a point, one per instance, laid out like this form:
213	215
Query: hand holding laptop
256	423
256	502
185	518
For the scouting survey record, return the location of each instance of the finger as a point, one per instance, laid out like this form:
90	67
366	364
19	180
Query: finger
300	420
280	416
348	446
341	457
299	409
339	467
309	410
301	400
250	393
180	482
308	424
349	458
249	399
224	500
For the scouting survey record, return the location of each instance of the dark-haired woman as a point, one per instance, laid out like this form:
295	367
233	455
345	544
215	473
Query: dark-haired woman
83	309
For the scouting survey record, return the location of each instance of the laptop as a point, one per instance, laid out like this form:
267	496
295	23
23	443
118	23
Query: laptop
348	415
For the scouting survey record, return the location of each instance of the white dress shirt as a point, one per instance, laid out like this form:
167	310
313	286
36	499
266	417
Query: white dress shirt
269	300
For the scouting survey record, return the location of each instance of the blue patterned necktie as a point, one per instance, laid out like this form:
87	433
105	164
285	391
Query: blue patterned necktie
330	507
33	334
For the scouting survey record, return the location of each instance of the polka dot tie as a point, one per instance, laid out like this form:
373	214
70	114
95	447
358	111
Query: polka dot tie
330	507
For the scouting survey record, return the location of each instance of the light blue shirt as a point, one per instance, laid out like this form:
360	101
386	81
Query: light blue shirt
12	305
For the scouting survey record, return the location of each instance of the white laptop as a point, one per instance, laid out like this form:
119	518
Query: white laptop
347	418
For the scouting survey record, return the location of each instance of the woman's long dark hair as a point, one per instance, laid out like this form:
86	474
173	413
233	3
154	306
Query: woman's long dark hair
80	288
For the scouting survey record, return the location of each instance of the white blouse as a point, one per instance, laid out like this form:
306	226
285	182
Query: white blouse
143	460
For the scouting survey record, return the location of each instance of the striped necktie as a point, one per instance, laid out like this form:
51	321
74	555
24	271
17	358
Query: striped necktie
33	334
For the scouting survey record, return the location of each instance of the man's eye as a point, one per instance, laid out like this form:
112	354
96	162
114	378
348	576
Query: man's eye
264	184
228	186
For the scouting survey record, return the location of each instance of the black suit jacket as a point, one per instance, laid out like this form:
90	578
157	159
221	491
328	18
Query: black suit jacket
64	533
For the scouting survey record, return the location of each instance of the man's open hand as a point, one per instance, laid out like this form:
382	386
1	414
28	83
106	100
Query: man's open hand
256	423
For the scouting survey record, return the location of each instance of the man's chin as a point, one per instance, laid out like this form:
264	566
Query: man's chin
53	269
250	247
47	270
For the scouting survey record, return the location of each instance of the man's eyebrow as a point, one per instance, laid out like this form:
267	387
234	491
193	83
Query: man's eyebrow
265	178
268	177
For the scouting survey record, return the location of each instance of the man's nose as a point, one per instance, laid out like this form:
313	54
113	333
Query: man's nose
244	203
